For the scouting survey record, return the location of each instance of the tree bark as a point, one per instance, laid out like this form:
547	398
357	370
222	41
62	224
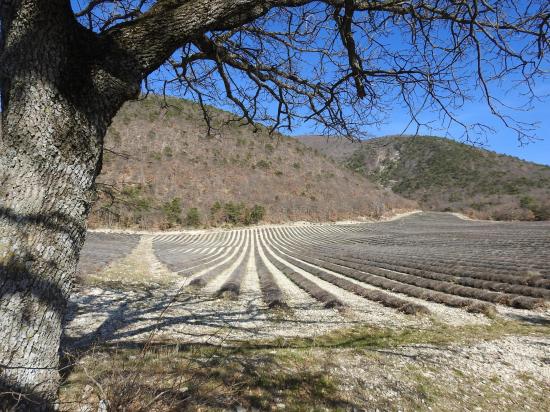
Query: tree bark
46	193
57	103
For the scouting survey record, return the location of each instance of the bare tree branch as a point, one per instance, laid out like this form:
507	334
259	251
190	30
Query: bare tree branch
285	62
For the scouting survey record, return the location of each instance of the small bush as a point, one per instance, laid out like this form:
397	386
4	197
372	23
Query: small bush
526	202
269	148
236	213
172	211
173	111
478	205
233	212
167	151
216	212
540	211
263	164
156	156
216	207
455	197
133	197
256	214
131	206
193	217
357	161
153	116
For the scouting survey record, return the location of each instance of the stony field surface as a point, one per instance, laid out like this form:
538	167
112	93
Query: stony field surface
480	289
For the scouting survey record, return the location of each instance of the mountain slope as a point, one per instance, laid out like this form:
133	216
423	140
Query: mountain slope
336	148
445	175
161	169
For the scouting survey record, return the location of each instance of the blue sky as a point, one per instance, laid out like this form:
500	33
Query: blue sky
503	140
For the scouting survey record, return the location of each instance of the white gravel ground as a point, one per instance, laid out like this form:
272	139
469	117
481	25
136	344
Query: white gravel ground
174	311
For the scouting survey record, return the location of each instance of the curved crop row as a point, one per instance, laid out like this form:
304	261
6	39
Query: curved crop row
232	286
322	295
442	282
370	294
271	292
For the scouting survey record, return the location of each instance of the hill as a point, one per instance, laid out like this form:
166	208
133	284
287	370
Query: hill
336	148
445	175
161	169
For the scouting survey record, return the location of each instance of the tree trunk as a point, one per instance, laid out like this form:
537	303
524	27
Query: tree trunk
56	105
46	195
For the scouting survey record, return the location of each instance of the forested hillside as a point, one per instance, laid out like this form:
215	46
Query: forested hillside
162	170
445	175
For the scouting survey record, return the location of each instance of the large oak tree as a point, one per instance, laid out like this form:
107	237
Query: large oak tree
67	67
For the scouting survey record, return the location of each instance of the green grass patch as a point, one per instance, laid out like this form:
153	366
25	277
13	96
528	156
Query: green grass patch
438	334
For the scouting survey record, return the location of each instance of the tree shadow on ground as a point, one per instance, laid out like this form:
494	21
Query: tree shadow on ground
229	375
532	318
215	372
170	377
134	316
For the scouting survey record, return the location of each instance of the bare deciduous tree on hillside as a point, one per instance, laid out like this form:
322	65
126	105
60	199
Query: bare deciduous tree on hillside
67	67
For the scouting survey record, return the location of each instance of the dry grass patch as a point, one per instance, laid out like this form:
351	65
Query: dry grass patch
296	374
139	269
